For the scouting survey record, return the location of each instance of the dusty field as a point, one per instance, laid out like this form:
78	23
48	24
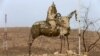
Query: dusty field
18	39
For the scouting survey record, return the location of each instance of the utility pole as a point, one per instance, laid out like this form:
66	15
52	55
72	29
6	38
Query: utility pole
79	30
5	43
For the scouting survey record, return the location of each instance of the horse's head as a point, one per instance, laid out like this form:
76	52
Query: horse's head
76	15
65	20
72	13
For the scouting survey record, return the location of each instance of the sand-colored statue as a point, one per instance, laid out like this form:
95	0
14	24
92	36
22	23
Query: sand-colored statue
52	16
42	27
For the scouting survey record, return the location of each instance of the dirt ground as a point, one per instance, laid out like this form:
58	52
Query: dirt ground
18	42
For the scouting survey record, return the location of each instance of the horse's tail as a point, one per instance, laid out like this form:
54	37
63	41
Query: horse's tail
34	32
29	43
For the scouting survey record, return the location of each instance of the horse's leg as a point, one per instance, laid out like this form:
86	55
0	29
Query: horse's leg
30	44
61	44
67	42
64	41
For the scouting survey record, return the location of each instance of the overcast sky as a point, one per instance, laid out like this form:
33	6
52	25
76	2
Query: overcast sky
26	12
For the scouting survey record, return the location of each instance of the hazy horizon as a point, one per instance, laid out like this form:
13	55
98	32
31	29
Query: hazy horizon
23	13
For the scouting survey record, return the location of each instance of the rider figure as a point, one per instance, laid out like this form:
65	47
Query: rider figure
52	16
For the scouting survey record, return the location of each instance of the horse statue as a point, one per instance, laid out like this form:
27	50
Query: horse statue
42	28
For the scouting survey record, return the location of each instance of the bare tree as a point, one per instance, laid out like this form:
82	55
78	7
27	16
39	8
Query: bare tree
86	26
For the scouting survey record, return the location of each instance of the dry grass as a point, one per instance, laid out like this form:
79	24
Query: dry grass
18	38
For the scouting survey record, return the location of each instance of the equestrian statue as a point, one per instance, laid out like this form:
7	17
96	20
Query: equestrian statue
54	25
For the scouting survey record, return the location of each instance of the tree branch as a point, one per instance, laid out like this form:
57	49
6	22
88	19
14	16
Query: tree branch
94	44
